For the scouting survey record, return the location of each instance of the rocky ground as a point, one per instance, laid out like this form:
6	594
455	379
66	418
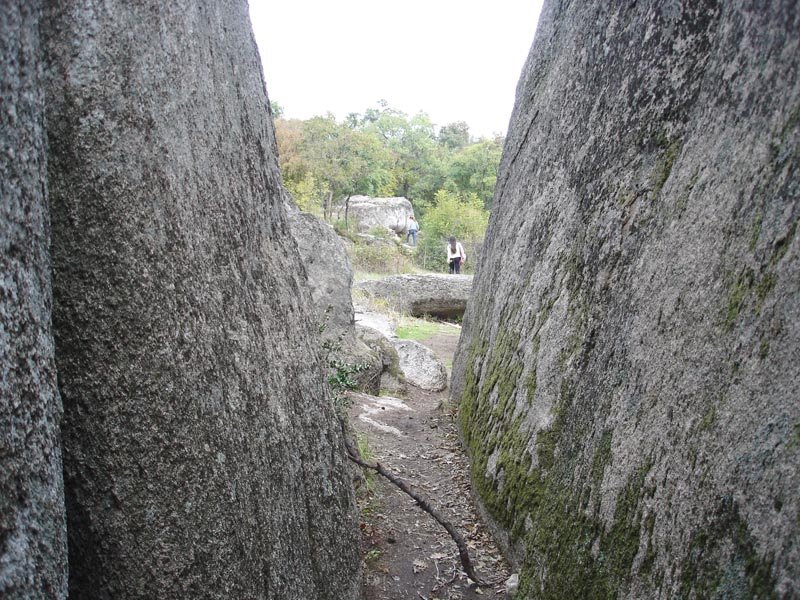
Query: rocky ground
407	554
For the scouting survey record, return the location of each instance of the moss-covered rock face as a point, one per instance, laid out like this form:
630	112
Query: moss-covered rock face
628	365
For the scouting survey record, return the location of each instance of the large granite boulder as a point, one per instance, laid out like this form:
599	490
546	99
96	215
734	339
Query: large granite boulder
420	366
330	278
328	267
630	398
368	213
202	458
33	533
390	376
432	294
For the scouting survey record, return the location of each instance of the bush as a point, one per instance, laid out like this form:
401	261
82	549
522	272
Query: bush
382	233
380	258
345	231
452	215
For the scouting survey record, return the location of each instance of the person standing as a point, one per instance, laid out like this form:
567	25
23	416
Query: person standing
455	256
413	228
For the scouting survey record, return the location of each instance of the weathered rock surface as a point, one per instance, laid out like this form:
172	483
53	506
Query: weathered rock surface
374	320
202	458
420	366
368	212
372	409
630	398
33	535
330	273
404	361
431	294
330	278
389	377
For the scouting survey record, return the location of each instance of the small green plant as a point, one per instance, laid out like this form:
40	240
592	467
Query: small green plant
340	378
380	258
345	230
381	232
359	276
372	556
362	443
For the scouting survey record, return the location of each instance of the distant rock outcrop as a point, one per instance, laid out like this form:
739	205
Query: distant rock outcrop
443	296
367	212
33	532
404	361
202	458
629	398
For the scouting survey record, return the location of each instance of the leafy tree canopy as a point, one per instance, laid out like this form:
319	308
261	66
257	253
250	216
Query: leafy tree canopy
451	214
383	152
454	135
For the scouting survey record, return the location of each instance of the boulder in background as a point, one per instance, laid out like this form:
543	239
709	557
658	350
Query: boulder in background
431	294
367	212
420	365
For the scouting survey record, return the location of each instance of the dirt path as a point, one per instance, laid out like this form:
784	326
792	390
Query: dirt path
407	554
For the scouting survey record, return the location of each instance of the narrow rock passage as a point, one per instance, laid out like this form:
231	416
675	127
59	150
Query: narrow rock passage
407	554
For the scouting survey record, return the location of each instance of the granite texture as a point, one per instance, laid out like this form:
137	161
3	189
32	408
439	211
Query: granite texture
630	398
425	294
202	458
33	536
330	279
378	213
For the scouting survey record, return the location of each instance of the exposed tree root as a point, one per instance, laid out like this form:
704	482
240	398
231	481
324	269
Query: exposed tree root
463	552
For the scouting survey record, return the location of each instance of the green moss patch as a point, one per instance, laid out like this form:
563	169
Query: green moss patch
664	169
743	573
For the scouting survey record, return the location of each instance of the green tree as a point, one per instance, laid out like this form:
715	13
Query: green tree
416	165
383	152
308	193
323	161
276	109
454	135
474	169
462	216
297	169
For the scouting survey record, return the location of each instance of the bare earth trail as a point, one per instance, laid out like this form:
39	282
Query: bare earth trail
408	555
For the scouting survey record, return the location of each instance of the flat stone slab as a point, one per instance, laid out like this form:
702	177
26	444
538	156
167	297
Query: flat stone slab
375	320
434	294
370	407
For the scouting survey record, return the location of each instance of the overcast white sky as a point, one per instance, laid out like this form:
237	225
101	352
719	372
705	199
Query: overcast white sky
457	60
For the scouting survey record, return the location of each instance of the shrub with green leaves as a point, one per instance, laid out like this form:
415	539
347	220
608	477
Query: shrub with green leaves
383	258
462	216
